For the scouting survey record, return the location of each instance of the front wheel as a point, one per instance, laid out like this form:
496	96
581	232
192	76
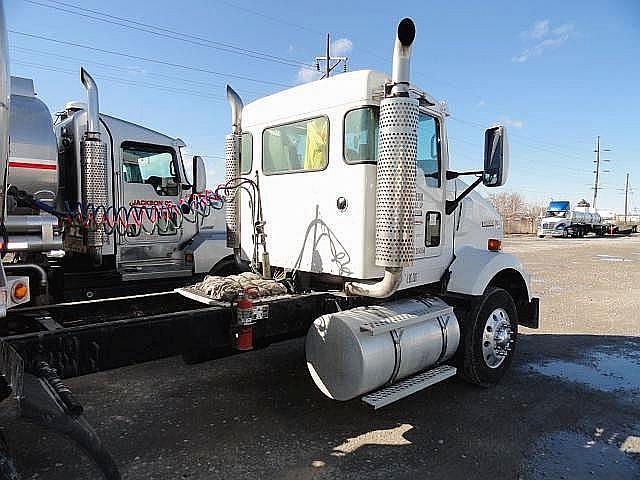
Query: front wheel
489	333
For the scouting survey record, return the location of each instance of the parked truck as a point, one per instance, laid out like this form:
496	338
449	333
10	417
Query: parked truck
561	220
340	200
97	205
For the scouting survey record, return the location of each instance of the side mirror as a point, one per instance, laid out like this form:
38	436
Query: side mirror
199	175
496	157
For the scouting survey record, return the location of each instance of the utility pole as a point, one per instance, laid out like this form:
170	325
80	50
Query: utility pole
626	197
596	184
327	59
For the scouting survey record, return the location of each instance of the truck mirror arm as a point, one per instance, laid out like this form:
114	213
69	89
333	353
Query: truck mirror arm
451	174
451	205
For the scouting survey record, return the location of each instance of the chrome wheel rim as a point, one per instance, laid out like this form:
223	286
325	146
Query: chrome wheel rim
497	338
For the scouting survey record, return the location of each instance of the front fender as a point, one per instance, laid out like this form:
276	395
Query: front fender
473	269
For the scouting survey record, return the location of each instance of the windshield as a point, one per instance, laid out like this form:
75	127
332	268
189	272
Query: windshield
553	213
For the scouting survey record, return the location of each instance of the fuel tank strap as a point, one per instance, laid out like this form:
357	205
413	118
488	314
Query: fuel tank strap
443	321
396	335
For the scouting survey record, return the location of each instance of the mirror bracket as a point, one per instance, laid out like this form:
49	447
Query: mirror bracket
451	205
452	175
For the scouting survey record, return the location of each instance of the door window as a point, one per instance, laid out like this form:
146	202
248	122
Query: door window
429	149
151	165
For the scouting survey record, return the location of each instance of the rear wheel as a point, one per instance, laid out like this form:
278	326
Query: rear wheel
489	333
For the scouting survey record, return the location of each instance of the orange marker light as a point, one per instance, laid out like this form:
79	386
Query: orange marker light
20	291
494	244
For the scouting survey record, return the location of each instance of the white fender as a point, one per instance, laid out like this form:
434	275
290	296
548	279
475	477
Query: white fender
473	269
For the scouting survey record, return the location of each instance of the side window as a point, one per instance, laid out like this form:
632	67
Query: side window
360	142
296	147
246	154
429	149
432	230
151	165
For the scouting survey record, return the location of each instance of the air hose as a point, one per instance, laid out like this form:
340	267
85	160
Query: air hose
132	220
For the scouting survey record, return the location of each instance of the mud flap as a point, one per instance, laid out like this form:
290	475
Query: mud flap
530	314
42	404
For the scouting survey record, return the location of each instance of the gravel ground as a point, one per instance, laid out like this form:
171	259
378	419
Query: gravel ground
568	408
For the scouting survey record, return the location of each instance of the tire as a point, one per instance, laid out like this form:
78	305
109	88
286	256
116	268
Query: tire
541	236
565	233
477	326
225	267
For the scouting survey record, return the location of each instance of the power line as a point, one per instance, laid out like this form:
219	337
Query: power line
459	140
269	17
123	68
165	32
122	81
534	145
147	59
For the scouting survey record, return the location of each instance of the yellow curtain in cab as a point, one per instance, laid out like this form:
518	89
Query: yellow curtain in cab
315	155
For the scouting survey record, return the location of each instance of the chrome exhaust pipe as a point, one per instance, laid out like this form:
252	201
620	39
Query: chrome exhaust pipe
235	102
93	107
231	172
401	67
395	174
93	168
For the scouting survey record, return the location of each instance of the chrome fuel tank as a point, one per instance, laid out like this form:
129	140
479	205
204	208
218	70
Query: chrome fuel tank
355	351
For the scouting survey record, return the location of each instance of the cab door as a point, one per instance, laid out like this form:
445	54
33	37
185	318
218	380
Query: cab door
150	183
430	259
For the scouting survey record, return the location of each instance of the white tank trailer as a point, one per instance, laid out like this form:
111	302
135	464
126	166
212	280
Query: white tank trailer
561	220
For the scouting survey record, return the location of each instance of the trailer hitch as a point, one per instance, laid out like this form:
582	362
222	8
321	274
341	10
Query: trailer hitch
46	401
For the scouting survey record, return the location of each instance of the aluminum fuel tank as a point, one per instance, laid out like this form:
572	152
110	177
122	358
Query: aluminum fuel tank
355	351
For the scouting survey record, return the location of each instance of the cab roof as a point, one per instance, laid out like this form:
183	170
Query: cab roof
362	86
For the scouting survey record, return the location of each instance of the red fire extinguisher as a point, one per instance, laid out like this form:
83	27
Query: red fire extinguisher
245	321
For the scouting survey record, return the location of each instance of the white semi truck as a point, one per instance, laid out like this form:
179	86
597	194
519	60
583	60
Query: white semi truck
357	197
340	198
561	220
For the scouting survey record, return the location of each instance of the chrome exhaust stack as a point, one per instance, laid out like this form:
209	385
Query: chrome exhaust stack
93	108
232	146
395	174
93	166
401	67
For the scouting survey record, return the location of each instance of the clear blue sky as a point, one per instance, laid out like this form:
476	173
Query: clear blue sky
557	73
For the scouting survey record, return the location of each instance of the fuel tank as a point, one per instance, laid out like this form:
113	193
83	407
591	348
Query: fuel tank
355	351
33	156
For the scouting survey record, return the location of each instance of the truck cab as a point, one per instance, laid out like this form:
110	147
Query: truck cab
317	167
148	230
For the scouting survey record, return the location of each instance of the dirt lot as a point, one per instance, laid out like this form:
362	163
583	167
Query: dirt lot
569	407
